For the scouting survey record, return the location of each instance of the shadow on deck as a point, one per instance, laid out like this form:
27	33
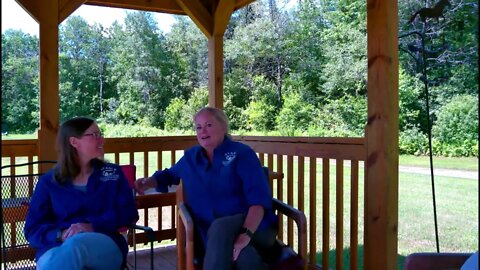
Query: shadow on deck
165	258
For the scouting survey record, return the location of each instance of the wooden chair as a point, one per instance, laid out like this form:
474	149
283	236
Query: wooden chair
285	257
435	261
17	184
130	174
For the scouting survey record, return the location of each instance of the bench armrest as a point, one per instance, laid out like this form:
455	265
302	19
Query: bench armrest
301	221
185	240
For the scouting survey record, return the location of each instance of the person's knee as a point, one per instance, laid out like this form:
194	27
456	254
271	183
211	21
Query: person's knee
225	226
76	242
224	223
45	261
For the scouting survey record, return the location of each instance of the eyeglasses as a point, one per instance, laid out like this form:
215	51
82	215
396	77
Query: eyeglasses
96	134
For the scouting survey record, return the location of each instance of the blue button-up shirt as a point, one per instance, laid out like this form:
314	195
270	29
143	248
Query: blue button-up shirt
233	182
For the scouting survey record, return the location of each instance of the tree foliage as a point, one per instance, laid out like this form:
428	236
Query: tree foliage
290	68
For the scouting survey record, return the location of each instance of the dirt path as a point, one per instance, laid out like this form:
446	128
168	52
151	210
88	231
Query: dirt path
441	172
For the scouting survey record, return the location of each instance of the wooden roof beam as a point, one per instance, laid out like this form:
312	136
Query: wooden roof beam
199	15
32	8
163	6
67	7
241	3
223	12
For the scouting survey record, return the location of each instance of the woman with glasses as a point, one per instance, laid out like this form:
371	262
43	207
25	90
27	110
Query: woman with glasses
78	206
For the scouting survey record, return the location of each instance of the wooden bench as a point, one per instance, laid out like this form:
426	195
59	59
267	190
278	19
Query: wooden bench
16	192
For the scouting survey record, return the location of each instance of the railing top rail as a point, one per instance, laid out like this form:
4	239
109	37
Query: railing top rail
29	163
314	140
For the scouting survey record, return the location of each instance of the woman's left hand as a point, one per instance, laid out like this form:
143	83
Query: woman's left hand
75	229
240	243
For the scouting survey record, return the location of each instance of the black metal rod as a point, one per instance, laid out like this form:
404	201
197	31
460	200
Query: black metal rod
429	131
429	125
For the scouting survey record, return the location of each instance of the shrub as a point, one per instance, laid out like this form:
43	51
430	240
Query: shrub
295	116
413	142
457	121
259	116
128	131
174	115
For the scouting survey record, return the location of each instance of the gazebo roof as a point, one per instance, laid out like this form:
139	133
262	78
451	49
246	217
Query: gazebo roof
212	17
164	6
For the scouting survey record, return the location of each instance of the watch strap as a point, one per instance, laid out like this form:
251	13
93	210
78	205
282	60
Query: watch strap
247	232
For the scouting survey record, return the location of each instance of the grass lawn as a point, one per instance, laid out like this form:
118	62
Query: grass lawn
459	163
457	216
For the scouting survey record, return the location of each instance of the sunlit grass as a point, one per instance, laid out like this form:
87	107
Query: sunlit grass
19	136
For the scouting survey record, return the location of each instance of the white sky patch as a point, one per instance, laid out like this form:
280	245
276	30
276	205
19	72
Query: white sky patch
15	17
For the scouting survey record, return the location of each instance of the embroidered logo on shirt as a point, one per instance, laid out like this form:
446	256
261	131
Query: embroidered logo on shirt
109	174
229	157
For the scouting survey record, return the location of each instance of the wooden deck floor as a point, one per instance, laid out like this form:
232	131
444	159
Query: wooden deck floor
164	258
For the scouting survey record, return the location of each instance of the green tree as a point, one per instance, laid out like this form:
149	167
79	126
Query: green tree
258	47
83	61
146	72
189	44
305	46
344	70
450	49
412	111
20	82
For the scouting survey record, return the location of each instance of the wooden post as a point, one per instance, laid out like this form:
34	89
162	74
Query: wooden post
215	71
49	94
381	185
212	19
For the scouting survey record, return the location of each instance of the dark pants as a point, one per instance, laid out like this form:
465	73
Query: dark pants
219	250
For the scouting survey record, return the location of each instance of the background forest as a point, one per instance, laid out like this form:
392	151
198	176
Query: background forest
298	71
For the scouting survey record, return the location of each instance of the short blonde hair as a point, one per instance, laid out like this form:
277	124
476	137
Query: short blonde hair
218	114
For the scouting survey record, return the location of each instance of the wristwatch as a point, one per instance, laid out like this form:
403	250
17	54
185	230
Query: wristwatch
246	231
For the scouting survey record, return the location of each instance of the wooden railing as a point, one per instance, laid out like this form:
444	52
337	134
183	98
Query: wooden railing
322	176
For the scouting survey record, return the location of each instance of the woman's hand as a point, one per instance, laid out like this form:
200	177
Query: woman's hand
240	243
76	229
143	184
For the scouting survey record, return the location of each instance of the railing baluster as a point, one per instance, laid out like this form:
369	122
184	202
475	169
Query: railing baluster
354	215
325	212
145	163
290	170
339	215
313	211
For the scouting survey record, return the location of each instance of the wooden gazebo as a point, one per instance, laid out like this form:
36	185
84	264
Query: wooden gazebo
378	149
